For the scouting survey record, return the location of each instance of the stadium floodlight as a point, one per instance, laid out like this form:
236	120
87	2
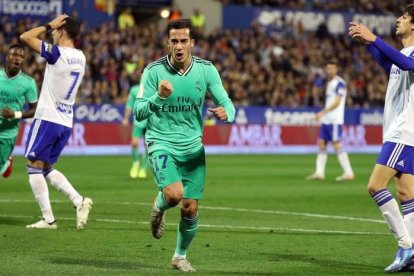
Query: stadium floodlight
165	13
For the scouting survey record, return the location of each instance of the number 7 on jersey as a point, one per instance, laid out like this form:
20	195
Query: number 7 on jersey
75	76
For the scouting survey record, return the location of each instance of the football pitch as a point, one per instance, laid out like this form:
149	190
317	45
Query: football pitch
258	217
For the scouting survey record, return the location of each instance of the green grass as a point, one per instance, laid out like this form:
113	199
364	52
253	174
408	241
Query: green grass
259	217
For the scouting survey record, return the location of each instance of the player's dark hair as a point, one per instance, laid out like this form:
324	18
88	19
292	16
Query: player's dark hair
410	11
331	61
180	24
72	27
15	46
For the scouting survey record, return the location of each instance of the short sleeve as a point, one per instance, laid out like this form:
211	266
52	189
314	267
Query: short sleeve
50	52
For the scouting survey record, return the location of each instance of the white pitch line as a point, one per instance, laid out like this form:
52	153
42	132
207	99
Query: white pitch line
260	229
228	209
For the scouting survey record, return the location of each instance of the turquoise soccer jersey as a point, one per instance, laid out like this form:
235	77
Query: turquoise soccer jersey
175	124
15	92
130	105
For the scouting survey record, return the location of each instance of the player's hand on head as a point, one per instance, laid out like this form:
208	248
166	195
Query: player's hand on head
7	113
58	22
165	88
219	112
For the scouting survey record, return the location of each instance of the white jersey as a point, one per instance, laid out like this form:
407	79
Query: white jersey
399	105
335	87
64	72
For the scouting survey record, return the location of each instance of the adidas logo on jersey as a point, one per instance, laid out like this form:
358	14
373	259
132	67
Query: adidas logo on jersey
32	154
401	163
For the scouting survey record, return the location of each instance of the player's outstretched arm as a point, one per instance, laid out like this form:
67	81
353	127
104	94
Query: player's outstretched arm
31	37
396	57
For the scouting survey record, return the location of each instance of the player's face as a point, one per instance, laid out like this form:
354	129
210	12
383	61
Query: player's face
331	70
404	25
180	45
15	59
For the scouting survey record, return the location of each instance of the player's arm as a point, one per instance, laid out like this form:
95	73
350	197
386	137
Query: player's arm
225	110
31	37
340	92
361	33
381	59
128	109
151	96
9	113
31	99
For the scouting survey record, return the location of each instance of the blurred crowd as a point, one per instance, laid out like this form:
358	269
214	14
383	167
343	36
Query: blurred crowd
258	67
362	6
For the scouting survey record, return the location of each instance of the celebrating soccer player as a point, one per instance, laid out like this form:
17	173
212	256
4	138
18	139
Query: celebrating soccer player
171	97
396	159
51	128
17	89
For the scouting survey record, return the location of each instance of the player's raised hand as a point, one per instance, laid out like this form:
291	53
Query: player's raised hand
165	89
360	33
58	22
219	112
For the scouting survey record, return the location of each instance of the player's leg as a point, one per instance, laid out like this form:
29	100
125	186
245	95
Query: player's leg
348	173
168	180
140	132
322	157
37	150
383	172
61	183
133	173
6	160
193	174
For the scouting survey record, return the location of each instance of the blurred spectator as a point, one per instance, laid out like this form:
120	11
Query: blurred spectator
175	14
126	20
199	22
281	67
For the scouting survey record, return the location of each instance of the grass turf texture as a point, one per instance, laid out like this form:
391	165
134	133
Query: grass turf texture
258	217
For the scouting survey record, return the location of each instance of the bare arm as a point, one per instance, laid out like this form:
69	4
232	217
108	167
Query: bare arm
9	113
125	121
331	107
31	36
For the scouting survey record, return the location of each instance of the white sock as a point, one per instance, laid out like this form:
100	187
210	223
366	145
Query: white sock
321	163
344	161
408	212
60	182
395	221
41	194
409	223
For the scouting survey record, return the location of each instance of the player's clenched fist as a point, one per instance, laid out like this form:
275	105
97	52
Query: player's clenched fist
165	89
219	112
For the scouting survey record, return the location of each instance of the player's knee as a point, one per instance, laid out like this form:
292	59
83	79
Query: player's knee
173	196
189	210
372	188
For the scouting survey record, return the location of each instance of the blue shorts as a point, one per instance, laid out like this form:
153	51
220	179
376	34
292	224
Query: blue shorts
330	133
46	141
399	157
